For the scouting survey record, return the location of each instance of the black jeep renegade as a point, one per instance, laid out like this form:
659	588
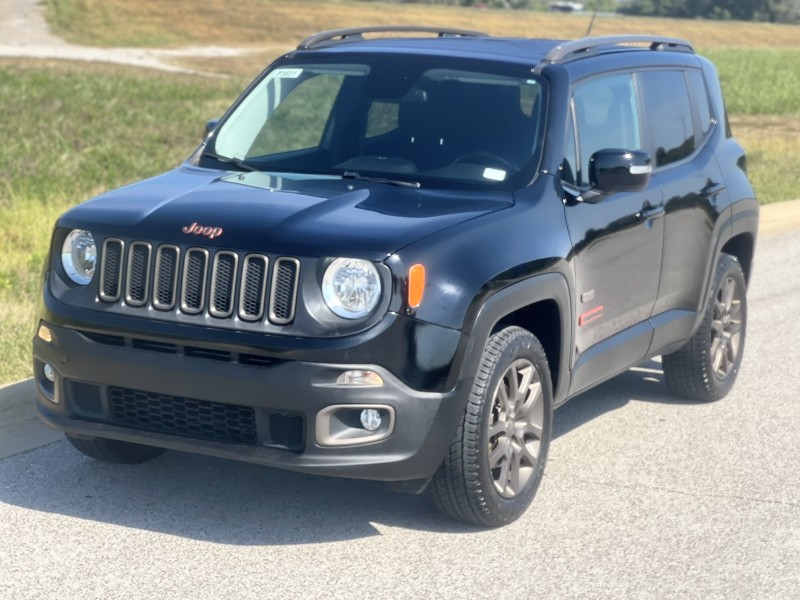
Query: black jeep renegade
392	258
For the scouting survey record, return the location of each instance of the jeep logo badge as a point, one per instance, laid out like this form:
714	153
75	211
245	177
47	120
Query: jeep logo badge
197	229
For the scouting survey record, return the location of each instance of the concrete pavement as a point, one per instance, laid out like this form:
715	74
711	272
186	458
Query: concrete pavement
20	430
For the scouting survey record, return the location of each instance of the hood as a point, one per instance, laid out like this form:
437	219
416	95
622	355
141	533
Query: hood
280	213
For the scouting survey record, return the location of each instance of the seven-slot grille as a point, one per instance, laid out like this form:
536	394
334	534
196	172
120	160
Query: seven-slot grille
223	284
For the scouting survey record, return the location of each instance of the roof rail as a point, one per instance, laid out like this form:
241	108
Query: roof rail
576	49
355	33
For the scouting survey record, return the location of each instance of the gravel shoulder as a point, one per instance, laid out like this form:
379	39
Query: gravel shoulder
24	33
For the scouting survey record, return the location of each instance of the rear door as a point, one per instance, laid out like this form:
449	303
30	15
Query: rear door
677	110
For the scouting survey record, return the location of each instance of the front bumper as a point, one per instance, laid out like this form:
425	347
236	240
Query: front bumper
205	389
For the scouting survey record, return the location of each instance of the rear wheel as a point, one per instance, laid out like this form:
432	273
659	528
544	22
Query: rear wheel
705	369
114	451
496	460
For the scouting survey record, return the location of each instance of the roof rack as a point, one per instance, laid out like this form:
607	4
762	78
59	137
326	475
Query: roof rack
576	49
355	33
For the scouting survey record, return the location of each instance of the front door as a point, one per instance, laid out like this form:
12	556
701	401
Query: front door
617	242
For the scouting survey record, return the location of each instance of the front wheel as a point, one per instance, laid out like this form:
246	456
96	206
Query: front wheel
497	457
705	369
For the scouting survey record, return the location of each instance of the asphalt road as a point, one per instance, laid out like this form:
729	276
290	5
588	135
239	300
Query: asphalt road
644	497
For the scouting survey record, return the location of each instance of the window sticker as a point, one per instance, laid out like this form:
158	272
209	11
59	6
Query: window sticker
494	174
287	73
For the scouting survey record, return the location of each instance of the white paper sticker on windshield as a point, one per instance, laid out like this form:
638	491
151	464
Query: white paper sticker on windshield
287	73
494	174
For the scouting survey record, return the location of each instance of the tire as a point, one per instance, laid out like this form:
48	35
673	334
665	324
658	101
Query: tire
477	482
114	451
705	369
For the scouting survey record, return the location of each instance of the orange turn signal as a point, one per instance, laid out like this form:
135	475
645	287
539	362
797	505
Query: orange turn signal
416	285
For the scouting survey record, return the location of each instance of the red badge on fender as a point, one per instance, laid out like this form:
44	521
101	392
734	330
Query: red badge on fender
590	315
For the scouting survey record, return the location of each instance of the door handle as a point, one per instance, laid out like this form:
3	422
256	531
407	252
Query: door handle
712	189
650	213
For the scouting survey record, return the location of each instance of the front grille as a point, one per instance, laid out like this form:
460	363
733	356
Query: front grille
223	279
199	282
166	277
138	274
194	281
254	285
111	273
187	417
284	290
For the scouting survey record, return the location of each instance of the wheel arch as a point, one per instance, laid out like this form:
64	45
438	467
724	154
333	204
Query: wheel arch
541	305
742	246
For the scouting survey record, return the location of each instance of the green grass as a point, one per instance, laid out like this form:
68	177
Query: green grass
84	129
265	22
762	92
759	81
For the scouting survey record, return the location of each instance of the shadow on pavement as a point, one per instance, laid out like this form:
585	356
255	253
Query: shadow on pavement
229	502
644	383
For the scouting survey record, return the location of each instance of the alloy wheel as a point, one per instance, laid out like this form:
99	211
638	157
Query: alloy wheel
515	428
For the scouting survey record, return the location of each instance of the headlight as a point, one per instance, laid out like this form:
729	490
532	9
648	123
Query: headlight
351	287
79	256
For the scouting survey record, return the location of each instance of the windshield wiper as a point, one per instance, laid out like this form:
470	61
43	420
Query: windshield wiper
398	182
237	162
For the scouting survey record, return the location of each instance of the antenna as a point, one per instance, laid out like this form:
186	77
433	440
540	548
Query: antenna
591	23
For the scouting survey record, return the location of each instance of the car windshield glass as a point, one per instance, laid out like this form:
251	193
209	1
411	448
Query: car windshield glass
410	121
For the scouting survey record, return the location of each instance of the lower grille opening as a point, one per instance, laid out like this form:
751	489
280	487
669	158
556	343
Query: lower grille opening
104	338
286	431
84	397
176	415
153	346
256	360
207	353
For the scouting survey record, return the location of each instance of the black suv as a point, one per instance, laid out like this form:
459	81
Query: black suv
393	257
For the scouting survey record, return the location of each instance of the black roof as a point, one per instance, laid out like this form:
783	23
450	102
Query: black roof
476	45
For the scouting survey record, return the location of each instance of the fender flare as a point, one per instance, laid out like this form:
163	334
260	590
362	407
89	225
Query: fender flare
545	287
742	221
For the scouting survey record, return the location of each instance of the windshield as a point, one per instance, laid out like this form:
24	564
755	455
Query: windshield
402	121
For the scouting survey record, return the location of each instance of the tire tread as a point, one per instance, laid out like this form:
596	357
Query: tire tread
687	371
456	487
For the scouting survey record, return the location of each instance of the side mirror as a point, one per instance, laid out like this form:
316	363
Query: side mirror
211	125
614	170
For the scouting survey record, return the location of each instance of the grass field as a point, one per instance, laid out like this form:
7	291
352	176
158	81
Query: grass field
90	127
264	22
86	128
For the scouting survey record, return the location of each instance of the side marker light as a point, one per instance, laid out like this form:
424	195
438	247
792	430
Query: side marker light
416	285
45	334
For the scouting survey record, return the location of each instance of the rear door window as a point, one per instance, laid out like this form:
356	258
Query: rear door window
669	115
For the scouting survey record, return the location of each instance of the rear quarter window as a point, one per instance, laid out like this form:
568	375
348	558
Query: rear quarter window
697	87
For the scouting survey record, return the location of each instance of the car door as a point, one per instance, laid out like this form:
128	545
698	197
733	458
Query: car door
676	104
617	241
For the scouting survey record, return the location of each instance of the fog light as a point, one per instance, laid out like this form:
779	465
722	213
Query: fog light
45	334
353	424
50	374
370	419
359	377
